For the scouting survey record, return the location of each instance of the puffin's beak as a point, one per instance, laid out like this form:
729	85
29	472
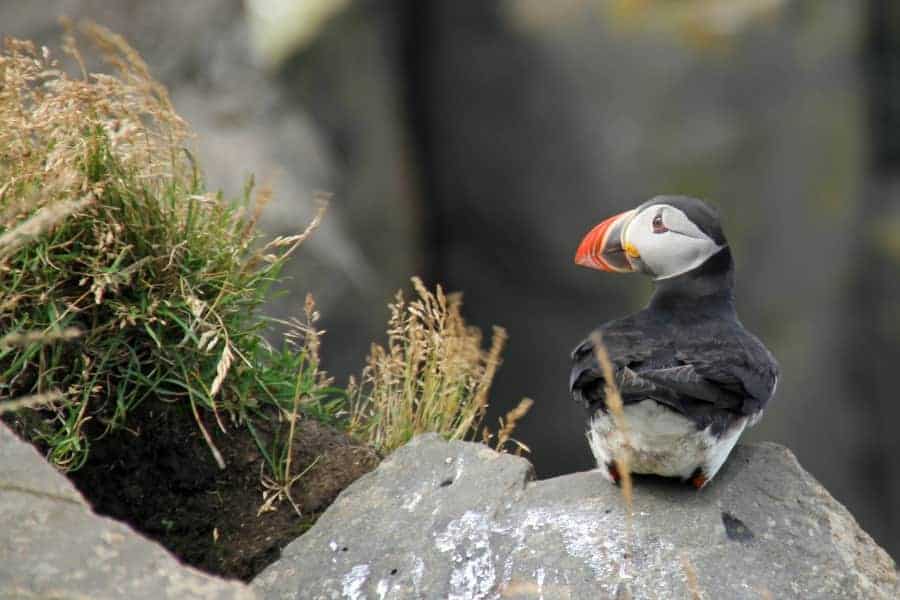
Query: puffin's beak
602	247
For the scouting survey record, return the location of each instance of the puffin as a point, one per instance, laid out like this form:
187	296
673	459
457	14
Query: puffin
690	376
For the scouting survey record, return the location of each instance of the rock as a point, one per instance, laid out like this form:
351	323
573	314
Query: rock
52	545
458	520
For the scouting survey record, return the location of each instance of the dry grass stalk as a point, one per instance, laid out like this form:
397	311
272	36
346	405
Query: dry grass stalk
617	411
46	218
693	584
508	425
433	375
293	241
217	456
32	401
21	339
525	590
275	491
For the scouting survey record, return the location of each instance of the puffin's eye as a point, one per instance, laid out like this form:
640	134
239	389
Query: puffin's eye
658	226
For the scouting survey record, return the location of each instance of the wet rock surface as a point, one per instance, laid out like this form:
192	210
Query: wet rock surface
457	520
53	546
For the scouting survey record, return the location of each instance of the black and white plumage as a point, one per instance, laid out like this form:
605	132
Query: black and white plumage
690	375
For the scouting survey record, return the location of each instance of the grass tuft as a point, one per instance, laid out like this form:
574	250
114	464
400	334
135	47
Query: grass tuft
433	375
122	278
304	337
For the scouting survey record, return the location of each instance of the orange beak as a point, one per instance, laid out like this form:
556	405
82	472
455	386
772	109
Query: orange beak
602	247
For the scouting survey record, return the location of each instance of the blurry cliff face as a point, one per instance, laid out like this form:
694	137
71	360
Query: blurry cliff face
478	141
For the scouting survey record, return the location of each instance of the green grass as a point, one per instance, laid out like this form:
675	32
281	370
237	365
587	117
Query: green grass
109	231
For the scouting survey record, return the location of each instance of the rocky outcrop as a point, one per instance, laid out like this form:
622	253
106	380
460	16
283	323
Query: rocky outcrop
53	546
458	520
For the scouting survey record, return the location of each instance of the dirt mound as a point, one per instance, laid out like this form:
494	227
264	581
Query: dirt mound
162	480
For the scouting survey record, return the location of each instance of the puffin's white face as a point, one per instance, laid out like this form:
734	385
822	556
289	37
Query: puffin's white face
661	240
658	239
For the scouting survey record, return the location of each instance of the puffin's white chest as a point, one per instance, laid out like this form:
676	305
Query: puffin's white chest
660	441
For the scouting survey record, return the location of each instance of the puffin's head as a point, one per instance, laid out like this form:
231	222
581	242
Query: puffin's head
663	237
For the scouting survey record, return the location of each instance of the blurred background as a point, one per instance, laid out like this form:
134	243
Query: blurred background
475	142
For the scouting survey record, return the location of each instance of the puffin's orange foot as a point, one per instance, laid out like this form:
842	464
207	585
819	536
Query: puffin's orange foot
614	472
699	479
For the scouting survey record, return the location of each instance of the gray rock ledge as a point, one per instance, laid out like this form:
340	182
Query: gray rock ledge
53	546
457	520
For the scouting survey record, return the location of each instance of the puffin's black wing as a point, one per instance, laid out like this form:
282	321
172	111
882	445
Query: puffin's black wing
724	370
736	362
630	343
686	381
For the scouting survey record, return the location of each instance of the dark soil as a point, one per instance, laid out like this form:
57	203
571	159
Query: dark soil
161	478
